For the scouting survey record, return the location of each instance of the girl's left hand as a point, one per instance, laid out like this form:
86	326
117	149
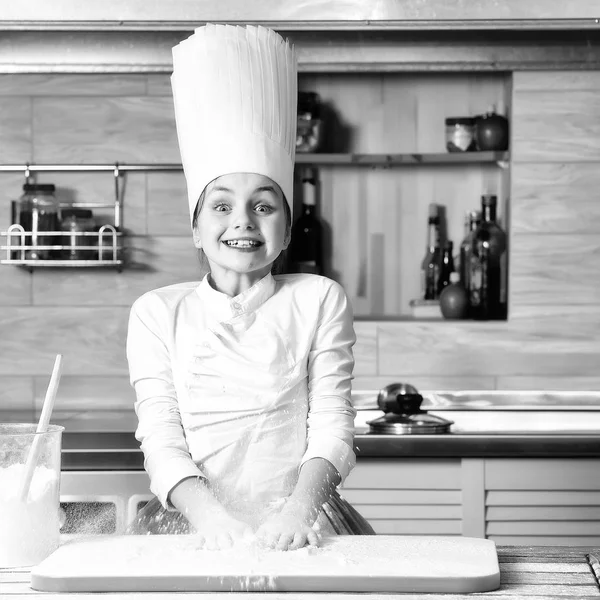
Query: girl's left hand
286	532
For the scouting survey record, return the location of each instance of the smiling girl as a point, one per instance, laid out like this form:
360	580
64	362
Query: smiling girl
243	381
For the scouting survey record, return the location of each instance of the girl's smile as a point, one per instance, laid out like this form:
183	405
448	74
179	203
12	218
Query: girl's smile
243	244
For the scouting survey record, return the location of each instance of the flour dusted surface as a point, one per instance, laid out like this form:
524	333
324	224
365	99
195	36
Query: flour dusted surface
341	563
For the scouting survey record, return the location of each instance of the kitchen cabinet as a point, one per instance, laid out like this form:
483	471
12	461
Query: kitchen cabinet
521	501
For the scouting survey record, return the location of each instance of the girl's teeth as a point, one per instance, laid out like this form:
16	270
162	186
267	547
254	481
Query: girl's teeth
242	243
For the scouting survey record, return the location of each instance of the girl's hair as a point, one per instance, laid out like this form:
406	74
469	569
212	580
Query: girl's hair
279	263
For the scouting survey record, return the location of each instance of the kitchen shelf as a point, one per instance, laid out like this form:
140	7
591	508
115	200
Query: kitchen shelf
407	159
105	246
96	248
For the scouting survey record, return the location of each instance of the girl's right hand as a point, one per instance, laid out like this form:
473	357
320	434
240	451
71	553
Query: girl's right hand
222	531
215	527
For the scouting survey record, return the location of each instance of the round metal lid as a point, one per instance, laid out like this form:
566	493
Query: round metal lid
419	423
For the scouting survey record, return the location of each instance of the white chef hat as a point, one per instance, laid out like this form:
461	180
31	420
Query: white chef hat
235	96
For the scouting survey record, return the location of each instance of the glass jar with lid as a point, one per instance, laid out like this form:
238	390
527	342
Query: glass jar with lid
38	212
460	134
75	222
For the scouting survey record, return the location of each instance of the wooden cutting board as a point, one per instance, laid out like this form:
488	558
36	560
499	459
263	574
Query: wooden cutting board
377	563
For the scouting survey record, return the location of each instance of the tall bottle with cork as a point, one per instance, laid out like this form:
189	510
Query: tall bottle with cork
487	286
306	248
432	261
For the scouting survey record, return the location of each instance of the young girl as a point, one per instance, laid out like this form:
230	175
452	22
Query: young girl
243	381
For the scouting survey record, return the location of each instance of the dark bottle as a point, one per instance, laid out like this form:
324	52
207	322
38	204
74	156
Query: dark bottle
447	266
307	232
487	289
431	264
472	220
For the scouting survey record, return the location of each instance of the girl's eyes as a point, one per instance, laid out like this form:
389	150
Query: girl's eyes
260	208
264	208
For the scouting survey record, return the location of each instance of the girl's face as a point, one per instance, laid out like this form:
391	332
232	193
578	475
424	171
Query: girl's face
241	227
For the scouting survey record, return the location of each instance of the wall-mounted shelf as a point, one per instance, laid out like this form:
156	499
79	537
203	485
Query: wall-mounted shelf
33	248
407	159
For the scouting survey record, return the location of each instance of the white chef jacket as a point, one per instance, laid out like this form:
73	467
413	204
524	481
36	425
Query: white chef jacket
243	390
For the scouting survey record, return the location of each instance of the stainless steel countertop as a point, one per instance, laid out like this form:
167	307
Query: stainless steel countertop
120	451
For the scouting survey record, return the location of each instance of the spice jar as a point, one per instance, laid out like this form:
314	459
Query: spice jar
38	212
460	134
76	222
309	131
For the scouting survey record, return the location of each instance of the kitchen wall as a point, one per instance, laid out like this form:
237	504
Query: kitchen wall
549	342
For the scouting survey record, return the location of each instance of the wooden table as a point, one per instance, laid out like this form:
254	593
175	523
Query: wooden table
528	573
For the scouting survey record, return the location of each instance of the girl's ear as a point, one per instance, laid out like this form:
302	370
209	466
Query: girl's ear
196	236
287	239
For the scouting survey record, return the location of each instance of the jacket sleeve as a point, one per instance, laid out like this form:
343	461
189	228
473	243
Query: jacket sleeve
166	456
330	364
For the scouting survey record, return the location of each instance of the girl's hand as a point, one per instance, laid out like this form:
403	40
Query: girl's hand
286	532
222	531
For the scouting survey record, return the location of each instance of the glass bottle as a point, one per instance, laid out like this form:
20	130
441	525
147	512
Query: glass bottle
487	289
431	264
454	299
447	266
472	220
38	212
307	232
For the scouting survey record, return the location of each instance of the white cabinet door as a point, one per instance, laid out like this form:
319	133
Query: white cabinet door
407	496
543	501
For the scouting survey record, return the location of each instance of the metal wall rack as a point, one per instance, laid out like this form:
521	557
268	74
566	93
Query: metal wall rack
106	245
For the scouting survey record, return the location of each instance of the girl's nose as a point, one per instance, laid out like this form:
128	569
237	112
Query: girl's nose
243	219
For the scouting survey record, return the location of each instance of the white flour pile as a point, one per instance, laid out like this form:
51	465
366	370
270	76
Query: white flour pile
29	531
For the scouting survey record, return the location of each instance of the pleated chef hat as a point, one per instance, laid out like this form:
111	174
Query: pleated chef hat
235	96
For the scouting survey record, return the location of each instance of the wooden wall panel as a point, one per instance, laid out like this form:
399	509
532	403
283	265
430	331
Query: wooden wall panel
557	125
16	393
550	382
425	383
167	205
555	198
556	80
15	129
15	287
365	349
59	84
554	269
87	394
104	129
92	340
559	341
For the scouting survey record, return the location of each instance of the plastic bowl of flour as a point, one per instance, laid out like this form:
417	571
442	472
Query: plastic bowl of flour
29	528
